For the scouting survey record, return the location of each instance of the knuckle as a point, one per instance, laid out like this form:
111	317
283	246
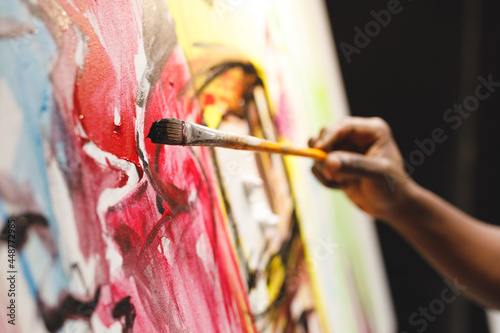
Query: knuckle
381	124
354	162
344	162
385	165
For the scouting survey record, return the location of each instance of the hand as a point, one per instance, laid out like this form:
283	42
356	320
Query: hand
365	162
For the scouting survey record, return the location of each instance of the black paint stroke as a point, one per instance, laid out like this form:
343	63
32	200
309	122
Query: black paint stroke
124	308
53	317
159	205
69	308
22	224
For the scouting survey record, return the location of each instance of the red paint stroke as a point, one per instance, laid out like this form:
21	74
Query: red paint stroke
107	83
209	99
179	271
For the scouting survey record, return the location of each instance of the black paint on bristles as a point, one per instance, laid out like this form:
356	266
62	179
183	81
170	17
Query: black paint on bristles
167	131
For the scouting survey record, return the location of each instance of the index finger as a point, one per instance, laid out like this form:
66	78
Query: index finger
352	134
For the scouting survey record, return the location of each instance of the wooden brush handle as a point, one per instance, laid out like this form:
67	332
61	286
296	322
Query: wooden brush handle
198	135
272	147
256	144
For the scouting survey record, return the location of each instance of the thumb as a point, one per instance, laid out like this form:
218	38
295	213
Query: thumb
353	165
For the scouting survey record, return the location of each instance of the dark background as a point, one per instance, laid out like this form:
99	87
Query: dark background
428	58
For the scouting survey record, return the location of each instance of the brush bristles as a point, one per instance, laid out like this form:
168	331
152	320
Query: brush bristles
168	131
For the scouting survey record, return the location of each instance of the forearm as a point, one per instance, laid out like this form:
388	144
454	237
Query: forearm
457	245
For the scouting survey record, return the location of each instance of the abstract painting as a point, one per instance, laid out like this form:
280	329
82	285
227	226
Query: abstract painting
104	231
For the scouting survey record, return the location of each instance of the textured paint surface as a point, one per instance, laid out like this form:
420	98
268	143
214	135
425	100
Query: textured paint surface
132	233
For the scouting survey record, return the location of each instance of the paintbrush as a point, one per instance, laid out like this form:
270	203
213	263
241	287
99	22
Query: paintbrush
172	131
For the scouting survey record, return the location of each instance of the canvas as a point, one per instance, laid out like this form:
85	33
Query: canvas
115	233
